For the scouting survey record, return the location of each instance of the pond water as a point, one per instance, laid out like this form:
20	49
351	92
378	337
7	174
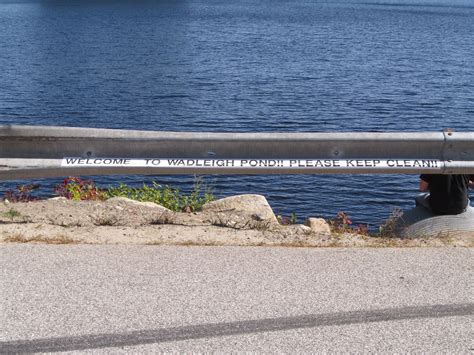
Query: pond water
245	66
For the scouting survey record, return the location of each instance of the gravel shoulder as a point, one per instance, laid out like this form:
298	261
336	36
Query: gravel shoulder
123	221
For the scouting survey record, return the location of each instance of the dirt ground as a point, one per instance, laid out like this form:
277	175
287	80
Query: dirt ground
122	221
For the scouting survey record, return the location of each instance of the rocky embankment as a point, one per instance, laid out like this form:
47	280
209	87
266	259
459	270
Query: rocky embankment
237	220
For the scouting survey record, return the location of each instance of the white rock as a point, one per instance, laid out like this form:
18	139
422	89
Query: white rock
127	201
318	225
253	205
58	198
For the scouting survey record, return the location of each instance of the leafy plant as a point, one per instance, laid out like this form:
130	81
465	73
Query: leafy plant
23	193
77	189
164	195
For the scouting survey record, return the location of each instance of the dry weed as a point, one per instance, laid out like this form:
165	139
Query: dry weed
58	239
164	218
104	220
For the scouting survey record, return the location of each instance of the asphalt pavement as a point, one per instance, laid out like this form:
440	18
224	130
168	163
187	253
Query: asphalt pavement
142	299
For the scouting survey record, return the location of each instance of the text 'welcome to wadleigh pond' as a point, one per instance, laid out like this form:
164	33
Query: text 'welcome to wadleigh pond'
254	163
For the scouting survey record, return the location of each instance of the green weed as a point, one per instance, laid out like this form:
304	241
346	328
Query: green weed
164	195
12	214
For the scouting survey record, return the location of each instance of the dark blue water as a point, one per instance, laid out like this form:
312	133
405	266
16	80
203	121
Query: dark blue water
267	65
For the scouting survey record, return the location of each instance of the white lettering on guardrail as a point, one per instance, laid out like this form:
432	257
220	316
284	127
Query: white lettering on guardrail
255	163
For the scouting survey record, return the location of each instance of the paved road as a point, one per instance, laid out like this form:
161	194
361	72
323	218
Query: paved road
109	299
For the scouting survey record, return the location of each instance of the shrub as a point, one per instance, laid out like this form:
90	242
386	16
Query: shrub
77	189
166	196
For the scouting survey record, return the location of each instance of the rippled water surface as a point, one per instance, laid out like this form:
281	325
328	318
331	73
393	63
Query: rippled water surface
221	65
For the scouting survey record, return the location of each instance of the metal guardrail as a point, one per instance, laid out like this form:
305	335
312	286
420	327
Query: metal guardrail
40	151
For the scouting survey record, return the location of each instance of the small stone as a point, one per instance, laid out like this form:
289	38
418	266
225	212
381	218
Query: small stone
318	225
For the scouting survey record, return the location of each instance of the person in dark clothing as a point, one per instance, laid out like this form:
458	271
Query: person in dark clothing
445	194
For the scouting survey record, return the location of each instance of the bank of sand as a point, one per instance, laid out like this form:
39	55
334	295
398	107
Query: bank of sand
122	221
